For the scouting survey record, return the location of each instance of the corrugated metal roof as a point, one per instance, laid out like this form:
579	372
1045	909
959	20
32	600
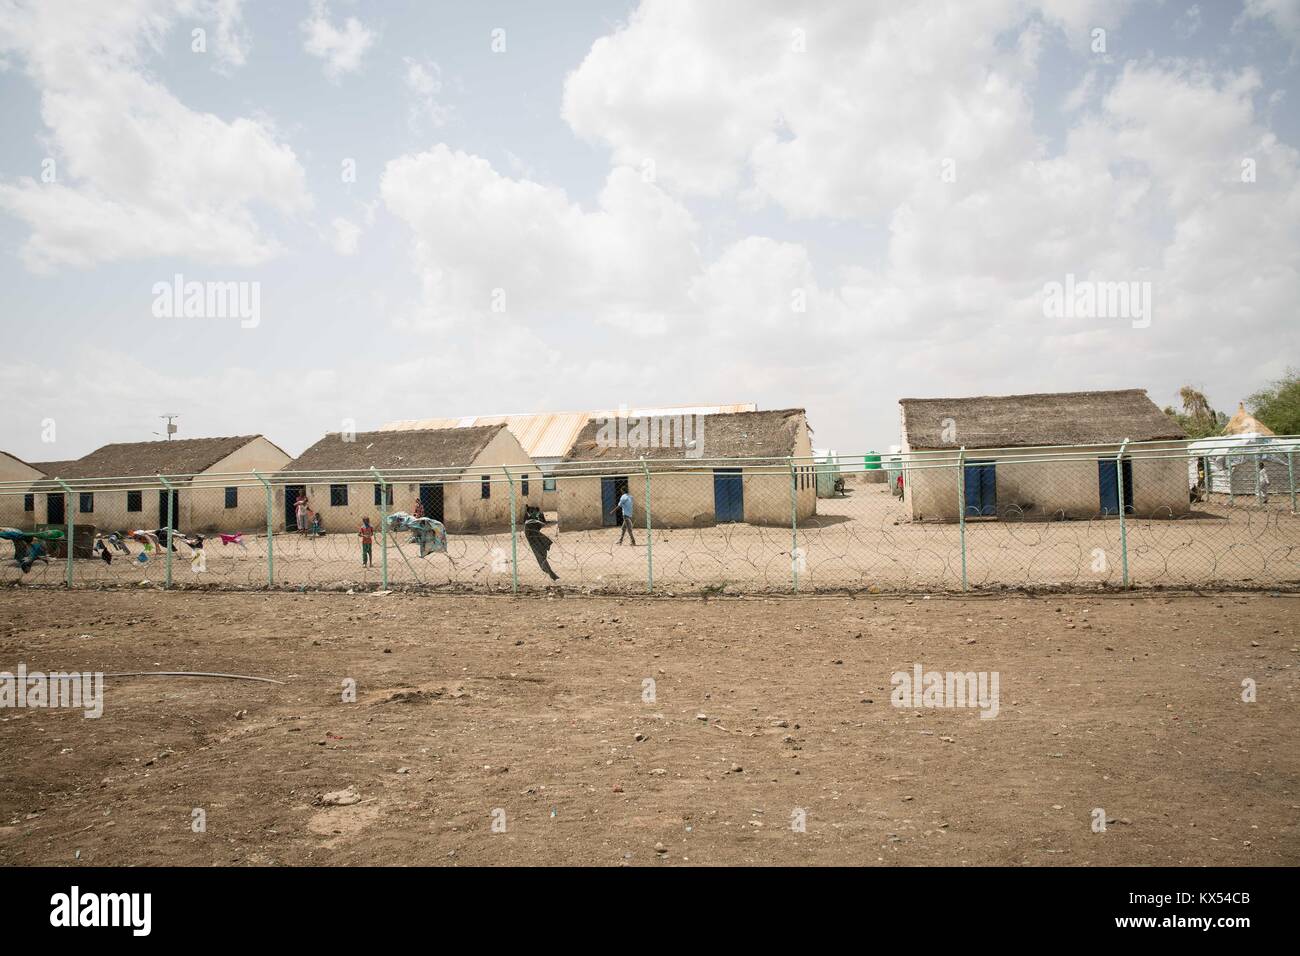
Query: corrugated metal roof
552	434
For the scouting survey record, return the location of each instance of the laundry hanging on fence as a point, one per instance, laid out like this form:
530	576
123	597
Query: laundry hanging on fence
28	552
539	543
29	546
430	535
45	534
147	538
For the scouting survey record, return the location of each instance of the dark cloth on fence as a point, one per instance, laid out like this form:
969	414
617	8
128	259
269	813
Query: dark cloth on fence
540	544
35	552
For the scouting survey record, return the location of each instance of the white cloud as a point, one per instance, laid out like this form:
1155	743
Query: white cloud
1283	15
476	232
138	173
232	42
342	48
345	236
1189	23
1147	187
1136	193
828	110
424	81
1081	94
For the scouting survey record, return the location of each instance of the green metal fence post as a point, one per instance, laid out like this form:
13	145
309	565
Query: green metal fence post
961	508
514	535
649	531
794	525
270	529
383	528
67	517
1290	474
1123	524
171	521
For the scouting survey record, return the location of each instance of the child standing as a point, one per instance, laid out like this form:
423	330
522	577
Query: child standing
367	536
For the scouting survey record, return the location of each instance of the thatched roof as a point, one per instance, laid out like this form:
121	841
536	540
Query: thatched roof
1050	418
766	434
433	448
1244	423
180	456
52	468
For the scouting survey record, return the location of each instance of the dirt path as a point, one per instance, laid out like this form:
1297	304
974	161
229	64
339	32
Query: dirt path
532	707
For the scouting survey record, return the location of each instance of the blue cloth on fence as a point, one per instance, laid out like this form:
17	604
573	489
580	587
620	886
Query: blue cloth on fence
430	535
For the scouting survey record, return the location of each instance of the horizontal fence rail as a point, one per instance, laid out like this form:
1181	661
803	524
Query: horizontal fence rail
1212	513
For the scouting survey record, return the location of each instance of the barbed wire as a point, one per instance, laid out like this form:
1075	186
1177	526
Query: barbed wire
1043	522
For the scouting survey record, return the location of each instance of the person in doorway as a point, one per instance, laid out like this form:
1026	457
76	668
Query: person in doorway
300	510
419	511
1261	486
367	536
624	507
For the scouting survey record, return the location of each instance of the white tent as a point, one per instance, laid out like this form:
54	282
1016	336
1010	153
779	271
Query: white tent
1234	462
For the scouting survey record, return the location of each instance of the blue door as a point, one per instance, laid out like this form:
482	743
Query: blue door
1108	486
981	489
611	489
728	495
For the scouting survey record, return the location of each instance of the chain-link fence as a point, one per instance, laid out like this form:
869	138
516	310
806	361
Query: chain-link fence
1161	514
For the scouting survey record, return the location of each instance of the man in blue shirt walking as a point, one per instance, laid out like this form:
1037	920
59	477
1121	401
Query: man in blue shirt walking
625	506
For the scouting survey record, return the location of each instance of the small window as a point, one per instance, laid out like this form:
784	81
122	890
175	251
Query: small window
380	496
232	497
523	486
29	502
87	503
135	501
487	487
548	482
338	496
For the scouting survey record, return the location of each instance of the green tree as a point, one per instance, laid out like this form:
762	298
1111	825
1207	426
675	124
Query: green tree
1278	405
1197	418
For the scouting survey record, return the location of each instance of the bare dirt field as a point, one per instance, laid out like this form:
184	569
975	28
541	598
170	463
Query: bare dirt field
531	713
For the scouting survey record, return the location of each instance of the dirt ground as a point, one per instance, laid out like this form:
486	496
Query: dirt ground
528	714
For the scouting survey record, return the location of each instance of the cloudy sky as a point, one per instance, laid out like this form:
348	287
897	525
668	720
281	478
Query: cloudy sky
456	209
